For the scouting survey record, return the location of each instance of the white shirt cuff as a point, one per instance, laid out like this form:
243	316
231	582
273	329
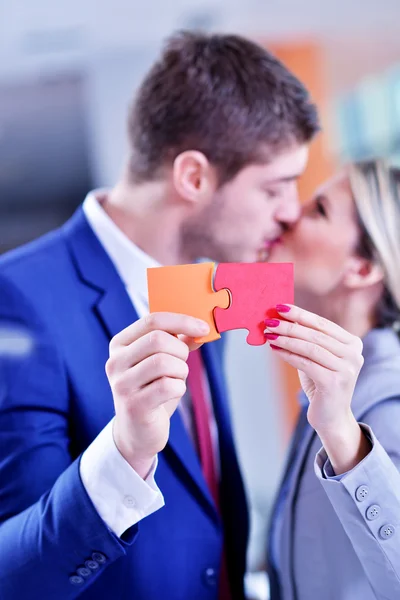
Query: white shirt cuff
121	497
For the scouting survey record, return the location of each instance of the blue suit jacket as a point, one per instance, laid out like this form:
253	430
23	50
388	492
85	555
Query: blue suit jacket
65	300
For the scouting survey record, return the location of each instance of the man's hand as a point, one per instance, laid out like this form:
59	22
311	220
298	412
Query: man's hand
147	371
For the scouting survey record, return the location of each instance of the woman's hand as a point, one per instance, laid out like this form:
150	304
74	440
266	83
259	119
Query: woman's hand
329	360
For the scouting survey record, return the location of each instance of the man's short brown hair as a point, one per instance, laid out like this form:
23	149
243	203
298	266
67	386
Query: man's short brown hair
222	95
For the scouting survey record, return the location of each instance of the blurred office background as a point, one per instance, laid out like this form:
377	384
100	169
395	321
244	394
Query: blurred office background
68	70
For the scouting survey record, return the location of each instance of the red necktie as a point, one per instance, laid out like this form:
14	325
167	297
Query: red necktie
202	420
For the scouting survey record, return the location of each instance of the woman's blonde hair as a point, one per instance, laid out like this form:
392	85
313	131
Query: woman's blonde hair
375	187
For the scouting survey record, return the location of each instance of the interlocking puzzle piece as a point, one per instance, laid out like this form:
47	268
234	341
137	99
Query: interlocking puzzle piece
255	289
187	289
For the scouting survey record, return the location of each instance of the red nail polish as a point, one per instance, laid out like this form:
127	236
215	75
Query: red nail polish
271	336
274	347
283	308
271	322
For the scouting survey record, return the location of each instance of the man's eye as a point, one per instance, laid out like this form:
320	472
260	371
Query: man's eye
272	193
320	208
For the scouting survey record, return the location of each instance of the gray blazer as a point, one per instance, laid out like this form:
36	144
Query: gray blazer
340	539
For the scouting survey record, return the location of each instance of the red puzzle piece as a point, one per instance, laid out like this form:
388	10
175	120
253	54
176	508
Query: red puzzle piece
256	288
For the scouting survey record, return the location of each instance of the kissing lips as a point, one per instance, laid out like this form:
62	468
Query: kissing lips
264	252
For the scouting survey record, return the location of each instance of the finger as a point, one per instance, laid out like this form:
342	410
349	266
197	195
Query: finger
301	363
172	323
308	334
150	369
166	392
309	319
311	352
154	342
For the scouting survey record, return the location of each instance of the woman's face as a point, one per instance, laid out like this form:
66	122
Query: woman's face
322	244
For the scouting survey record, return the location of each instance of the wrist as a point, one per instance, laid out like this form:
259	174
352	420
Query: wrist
140	462
338	429
142	466
347	446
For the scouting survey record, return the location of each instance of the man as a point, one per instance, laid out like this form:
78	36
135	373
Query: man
218	138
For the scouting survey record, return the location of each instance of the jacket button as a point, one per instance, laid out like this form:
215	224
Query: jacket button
210	577
386	532
93	565
362	492
373	512
84	572
99	557
76	580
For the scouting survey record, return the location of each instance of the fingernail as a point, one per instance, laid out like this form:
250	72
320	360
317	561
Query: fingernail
274	347
283	308
271	336
271	322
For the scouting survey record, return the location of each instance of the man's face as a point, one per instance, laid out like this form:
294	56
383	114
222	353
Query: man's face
248	214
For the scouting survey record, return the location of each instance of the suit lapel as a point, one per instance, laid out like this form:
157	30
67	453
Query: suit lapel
115	310
180	449
379	379
111	303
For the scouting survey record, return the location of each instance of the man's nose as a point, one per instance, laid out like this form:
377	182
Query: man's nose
289	210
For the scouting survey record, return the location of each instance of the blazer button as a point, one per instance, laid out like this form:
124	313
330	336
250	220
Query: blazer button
373	512
362	492
76	580
84	572
99	557
93	565
210	577
386	532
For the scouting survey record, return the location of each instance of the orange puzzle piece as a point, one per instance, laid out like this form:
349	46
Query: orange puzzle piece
187	289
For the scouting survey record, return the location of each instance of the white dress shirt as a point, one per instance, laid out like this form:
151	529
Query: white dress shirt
121	497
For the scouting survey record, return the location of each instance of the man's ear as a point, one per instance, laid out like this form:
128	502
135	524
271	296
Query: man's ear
194	178
362	273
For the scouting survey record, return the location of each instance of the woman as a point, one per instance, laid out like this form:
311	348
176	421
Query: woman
335	530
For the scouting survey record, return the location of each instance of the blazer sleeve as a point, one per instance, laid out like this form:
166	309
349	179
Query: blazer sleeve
53	542
367	499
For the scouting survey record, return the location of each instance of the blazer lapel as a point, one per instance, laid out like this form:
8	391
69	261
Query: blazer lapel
180	450
115	310
95	269
379	378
